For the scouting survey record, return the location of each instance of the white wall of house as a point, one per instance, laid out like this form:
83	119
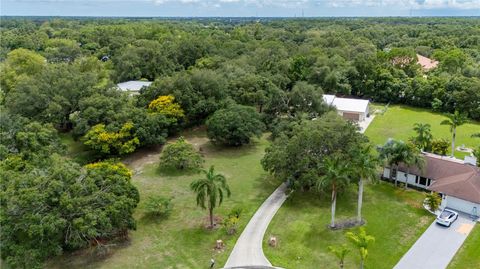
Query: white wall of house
460	205
386	172
411	179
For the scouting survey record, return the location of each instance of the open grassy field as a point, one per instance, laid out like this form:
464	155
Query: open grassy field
397	122
469	254
180	241
394	217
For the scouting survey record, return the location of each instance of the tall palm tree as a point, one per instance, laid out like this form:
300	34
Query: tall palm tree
335	177
210	191
454	120
424	135
364	168
361	240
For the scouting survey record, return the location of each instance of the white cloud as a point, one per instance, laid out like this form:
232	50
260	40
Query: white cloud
415	4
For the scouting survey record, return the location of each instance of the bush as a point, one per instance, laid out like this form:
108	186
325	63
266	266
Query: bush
158	206
234	126
433	201
180	155
440	146
231	222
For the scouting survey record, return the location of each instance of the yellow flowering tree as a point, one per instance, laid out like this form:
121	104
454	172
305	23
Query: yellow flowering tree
166	105
111	143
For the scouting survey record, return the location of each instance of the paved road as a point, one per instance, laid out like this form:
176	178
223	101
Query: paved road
248	249
437	246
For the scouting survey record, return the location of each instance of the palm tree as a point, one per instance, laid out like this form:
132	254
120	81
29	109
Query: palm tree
210	191
412	158
340	253
361	241
393	153
365	168
335	177
424	135
454	120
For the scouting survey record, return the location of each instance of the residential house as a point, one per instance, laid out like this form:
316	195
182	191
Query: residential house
457	181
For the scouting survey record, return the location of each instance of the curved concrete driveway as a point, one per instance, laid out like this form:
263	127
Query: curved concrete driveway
248	252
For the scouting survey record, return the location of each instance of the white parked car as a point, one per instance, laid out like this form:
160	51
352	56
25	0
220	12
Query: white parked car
447	217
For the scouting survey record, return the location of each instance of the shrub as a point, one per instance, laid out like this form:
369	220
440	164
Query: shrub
231	222
158	206
234	126
433	201
180	155
440	146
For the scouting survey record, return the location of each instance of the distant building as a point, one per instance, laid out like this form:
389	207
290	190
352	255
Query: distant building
348	108
133	86
457	181
426	63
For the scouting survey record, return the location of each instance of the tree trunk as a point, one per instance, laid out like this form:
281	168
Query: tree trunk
211	216
406	178
391	172
360	200
453	141
341	264
361	263
334	205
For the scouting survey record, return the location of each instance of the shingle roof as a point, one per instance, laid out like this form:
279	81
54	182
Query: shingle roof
346	104
465	186
133	85
450	176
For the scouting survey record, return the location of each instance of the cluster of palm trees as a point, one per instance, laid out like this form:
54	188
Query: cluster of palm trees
394	152
339	172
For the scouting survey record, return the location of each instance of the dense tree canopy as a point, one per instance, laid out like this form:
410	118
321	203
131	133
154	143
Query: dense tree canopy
298	158
254	63
60	206
234	125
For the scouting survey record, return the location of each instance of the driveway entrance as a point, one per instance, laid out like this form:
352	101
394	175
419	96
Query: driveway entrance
437	245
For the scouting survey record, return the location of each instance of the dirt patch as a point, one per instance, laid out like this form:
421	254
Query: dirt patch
137	160
142	157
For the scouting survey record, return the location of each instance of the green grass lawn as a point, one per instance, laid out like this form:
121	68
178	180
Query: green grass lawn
394	217
397	122
469	254
180	241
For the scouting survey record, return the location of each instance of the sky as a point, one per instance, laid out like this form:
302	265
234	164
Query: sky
240	8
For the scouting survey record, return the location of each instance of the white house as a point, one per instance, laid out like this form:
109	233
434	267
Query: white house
133	86
457	181
348	108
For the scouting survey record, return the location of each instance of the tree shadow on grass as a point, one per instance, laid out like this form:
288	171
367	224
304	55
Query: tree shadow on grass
90	257
147	219
172	172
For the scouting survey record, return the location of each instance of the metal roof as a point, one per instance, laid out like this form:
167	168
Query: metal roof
346	104
133	85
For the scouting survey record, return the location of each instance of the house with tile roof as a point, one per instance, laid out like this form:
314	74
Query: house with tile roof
457	181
